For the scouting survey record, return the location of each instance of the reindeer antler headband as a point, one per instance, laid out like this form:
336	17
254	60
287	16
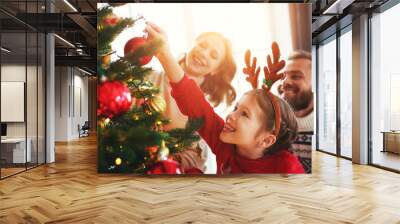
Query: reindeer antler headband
271	76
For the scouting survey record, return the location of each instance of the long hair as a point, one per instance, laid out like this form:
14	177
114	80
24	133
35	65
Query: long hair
288	127
217	87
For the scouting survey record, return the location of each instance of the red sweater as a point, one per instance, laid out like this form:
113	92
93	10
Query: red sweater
191	101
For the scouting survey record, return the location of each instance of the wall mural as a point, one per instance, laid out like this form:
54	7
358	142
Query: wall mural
204	88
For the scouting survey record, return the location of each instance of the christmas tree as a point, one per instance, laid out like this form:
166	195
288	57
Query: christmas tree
130	110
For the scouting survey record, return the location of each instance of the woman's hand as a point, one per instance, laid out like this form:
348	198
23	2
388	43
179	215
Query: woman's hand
159	35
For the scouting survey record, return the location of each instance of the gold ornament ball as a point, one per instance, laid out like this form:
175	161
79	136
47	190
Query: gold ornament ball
104	123
107	121
158	104
135	117
118	161
106	59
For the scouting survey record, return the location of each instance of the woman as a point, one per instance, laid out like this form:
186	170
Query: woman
210	63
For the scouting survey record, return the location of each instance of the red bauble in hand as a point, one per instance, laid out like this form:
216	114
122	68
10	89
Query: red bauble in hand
135	43
167	166
114	98
110	20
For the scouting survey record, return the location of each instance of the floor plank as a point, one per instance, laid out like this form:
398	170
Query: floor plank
71	191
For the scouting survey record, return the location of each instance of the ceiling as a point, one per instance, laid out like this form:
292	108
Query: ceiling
332	15
72	20
75	21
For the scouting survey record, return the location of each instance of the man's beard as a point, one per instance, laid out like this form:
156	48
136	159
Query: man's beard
300	101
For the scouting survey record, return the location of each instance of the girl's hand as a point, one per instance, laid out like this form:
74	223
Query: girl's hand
171	67
159	35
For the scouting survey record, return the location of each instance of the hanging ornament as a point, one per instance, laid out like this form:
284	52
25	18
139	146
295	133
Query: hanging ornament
152	151
167	166
114	98
158	125
135	117
118	161
158	104
133	44
111	20
163	152
105	60
139	102
106	121
103	122
103	78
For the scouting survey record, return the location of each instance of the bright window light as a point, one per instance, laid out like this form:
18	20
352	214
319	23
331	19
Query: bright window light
247	26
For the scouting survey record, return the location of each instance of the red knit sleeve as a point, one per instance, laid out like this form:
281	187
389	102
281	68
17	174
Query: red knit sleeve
192	103
290	164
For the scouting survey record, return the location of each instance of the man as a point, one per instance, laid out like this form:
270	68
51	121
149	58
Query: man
296	89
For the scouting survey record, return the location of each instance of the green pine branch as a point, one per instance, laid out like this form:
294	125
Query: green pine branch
183	138
123	70
106	34
127	136
103	12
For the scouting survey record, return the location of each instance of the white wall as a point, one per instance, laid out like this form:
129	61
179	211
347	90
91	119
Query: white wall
61	103
71	102
16	73
33	127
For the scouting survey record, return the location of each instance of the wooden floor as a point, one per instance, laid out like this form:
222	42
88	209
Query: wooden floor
10	171
70	191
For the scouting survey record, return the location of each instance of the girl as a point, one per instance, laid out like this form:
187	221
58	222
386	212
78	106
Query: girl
210	64
254	138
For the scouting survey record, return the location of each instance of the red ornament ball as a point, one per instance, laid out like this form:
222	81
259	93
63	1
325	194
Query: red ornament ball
110	20
114	98
152	151
167	166
139	102
135	43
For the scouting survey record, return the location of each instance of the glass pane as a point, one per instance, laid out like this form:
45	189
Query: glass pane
346	94
31	97
41	98
385	86
327	97
13	86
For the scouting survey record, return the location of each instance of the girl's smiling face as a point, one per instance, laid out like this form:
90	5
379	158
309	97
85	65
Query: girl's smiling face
206	56
245	127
